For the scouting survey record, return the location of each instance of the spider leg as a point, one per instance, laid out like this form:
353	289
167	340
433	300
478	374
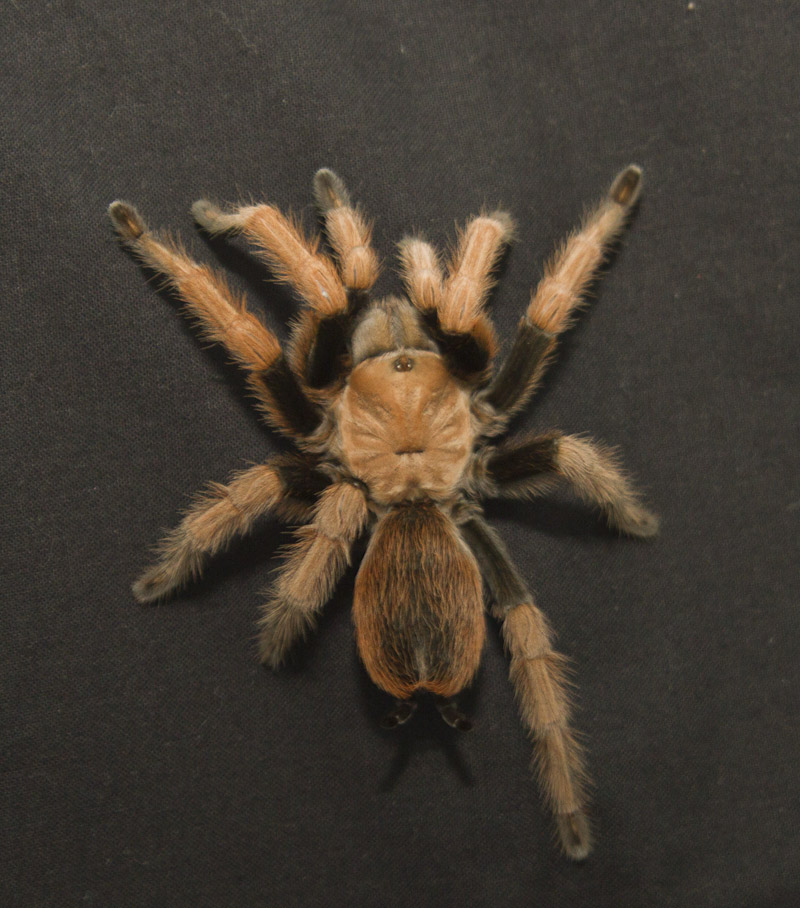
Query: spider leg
539	676
348	232
322	342
335	298
560	292
224	318
453	307
314	566
531	465
287	484
286	250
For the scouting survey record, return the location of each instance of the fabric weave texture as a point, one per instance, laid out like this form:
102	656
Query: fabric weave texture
148	759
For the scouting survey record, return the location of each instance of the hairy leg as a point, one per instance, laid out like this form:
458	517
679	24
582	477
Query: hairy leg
453	308
288	485
538	674
292	258
224	318
314	566
532	465
348	232
560	292
421	272
470	278
320	351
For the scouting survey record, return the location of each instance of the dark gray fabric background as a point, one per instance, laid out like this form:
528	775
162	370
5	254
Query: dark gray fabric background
147	758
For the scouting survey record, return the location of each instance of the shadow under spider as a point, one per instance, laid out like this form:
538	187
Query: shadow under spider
259	551
552	515
426	730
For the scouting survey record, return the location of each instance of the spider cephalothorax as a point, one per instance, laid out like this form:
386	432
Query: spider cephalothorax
393	404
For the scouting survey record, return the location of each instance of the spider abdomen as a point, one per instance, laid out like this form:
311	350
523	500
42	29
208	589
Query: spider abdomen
418	607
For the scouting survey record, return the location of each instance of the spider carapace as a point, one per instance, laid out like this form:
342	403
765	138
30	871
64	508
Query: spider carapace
395	407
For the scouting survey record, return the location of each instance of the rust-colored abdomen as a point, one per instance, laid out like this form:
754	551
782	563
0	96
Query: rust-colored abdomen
418	607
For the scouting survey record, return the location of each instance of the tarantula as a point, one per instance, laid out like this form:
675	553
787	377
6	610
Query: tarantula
392	404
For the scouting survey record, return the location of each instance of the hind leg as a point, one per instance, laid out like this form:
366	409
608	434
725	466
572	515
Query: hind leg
538	674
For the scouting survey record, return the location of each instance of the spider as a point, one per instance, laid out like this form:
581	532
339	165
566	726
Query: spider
393	404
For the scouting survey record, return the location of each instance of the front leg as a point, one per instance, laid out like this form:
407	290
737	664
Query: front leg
224	317
528	466
282	244
560	293
453	308
314	566
336	295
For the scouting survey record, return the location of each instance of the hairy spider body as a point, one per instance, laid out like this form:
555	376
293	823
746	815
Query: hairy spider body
418	604
404	427
393	404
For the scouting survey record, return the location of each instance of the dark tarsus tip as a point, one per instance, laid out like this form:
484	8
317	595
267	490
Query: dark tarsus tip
575	834
329	191
127	220
400	714
627	186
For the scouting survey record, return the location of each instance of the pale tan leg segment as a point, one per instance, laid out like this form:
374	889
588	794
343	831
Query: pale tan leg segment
538	674
222	315
595	475
421	273
560	293
314	566
571	269
469	277
208	527
348	232
292	257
